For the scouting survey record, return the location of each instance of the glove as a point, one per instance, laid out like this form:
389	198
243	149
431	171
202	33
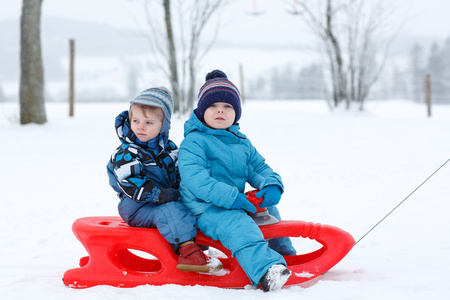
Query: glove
272	195
168	195
241	202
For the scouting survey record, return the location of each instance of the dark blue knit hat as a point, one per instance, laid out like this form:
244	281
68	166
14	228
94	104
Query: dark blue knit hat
218	88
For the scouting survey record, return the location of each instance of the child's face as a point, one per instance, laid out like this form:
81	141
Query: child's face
145	125
220	115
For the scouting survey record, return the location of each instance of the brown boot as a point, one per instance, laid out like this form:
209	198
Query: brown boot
192	259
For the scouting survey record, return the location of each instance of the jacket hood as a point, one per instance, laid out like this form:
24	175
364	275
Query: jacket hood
194	124
127	136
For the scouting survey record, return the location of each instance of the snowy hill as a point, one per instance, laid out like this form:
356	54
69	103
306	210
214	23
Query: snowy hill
340	168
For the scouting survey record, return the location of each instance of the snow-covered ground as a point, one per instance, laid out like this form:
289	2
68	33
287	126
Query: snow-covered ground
347	169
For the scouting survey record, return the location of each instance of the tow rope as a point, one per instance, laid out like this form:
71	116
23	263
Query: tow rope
403	200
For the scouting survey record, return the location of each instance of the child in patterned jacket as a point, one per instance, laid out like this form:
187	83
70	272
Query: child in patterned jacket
143	171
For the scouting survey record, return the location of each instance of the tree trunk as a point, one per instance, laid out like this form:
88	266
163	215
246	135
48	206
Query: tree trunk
341	77
191	89
172	57
181	56
32	108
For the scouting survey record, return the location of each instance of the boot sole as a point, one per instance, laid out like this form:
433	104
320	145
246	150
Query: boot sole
199	268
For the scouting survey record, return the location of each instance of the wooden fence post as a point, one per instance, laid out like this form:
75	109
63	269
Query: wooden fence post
428	93
71	77
241	77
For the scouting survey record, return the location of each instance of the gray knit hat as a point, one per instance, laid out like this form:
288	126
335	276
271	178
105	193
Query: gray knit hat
158	97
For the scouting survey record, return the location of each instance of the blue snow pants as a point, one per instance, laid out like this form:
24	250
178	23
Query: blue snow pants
172	219
239	233
282	245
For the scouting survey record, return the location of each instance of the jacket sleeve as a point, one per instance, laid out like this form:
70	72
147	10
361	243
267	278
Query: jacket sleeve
260	173
128	171
195	175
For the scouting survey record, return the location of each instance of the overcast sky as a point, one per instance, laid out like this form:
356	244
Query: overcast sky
274	38
424	17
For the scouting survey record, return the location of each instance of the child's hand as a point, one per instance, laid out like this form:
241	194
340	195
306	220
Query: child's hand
272	195
241	202
168	195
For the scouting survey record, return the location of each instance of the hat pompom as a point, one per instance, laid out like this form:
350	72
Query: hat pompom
216	74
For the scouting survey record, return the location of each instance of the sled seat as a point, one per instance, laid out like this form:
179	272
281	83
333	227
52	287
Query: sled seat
124	256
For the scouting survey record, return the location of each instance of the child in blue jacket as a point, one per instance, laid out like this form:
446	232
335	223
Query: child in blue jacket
216	161
143	171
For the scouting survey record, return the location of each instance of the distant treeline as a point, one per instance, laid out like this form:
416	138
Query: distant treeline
408	82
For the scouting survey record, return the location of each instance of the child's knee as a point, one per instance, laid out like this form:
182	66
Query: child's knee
234	228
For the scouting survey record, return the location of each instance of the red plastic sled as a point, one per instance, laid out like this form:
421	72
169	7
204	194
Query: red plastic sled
108	241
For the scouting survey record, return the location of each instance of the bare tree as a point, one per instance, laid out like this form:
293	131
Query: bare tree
171	54
321	18
369	48
349	31
180	46
32	108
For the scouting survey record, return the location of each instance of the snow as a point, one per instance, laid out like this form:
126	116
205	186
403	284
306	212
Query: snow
343	168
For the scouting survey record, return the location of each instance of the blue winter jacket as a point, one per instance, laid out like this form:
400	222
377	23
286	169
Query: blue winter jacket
215	165
142	171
